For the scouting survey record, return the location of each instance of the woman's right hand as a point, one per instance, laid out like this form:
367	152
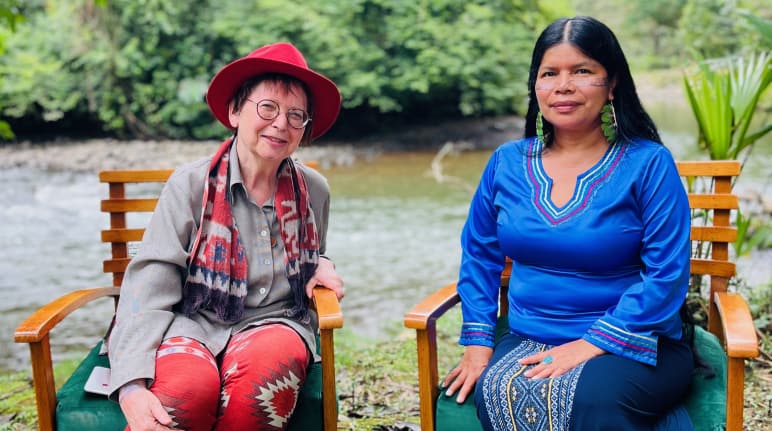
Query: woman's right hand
143	410
466	374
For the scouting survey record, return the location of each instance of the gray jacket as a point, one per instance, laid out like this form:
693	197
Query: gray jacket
153	283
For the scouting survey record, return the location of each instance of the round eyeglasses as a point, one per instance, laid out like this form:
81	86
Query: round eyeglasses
268	109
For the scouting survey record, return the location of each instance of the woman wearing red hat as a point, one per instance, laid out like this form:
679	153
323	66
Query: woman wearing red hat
213	329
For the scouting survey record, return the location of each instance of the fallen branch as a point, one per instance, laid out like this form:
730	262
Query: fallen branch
447	148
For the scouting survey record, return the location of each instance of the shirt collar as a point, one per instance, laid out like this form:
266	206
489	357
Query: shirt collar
236	180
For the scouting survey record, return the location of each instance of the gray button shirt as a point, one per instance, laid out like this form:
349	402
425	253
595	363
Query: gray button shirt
152	287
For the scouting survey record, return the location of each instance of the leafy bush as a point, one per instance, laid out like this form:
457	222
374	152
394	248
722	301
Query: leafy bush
141	67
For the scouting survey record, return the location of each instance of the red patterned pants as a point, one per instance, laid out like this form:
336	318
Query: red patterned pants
254	385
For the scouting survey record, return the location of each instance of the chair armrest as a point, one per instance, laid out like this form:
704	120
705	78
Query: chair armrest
330	318
740	342
739	333
423	318
432	307
39	324
35	331
328	308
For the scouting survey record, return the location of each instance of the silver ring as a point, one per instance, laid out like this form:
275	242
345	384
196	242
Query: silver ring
547	360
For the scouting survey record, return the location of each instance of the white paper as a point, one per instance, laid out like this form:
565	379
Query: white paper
99	381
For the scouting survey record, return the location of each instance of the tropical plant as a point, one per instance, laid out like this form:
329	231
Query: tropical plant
723	95
761	26
750	235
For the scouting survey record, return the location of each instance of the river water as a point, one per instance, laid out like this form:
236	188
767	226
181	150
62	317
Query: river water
393	234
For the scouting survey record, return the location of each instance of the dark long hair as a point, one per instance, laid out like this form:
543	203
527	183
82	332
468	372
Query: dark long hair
598	42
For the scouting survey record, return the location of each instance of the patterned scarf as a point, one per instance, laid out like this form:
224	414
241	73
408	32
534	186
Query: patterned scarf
217	266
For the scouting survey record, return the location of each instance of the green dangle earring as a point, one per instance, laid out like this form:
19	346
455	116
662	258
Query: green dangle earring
608	122
540	127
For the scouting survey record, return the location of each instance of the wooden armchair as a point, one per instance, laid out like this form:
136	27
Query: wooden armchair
317	406
729	318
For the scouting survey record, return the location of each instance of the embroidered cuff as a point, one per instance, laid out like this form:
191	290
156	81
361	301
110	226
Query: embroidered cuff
620	342
477	334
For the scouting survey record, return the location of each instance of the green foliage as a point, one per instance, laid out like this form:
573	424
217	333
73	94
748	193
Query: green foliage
399	55
660	33
751	234
31	75
759	25
723	96
10	14
141	67
714	28
655	21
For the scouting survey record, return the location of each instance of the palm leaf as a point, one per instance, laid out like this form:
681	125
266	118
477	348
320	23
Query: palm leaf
749	79
761	25
723	98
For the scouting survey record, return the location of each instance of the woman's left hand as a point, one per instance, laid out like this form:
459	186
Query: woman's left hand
326	276
561	359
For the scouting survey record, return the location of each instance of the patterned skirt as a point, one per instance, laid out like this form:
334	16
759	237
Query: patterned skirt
515	402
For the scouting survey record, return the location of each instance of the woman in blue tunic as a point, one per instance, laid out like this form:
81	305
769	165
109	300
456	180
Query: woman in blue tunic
590	208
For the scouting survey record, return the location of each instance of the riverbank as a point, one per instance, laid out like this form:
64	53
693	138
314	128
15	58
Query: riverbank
92	155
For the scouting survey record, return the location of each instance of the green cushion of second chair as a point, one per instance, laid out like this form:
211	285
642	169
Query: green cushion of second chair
451	415
77	410
456	417
706	402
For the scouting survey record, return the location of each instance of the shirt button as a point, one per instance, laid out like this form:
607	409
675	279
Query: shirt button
267	261
262	290
263	233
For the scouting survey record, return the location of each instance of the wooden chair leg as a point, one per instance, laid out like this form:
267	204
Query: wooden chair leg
428	378
329	392
43	380
734	394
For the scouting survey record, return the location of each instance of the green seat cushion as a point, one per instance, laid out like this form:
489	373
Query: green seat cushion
451	415
77	410
456	417
706	402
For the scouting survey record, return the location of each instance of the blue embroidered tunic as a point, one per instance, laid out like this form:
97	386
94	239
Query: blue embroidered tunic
611	266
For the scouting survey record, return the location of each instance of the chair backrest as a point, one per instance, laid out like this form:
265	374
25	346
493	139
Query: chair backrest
709	184
131	193
709	187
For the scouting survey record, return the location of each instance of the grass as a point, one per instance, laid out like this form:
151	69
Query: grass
377	382
17	398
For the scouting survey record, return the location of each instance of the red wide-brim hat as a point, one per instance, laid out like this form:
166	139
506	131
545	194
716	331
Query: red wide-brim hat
282	58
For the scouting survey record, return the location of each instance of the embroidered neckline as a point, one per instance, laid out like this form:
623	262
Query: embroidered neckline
586	183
